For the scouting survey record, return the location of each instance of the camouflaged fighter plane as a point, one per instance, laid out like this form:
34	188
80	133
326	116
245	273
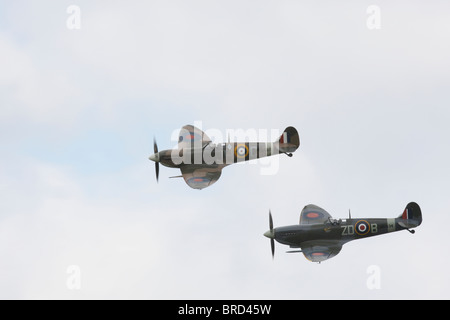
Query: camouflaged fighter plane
320	237
201	162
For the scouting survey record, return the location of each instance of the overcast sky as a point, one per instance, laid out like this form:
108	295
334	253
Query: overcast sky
79	109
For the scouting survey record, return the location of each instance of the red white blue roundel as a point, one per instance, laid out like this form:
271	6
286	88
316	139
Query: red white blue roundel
362	227
241	151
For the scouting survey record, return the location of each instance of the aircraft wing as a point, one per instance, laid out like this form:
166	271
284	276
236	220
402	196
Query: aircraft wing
198	177
312	214
320	250
190	136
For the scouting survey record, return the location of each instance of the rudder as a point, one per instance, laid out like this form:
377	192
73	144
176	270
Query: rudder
289	141
411	216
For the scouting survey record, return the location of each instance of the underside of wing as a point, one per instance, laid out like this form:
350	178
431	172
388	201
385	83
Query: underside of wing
312	214
318	251
198	177
191	136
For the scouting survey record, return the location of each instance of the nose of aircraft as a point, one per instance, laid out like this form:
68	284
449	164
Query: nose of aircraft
269	234
154	157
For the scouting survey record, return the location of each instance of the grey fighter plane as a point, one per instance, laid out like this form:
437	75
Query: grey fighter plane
320	237
201	162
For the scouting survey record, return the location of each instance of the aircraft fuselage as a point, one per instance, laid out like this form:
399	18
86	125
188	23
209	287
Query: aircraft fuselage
342	231
222	154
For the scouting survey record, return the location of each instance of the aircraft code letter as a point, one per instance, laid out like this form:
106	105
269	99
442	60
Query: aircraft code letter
348	230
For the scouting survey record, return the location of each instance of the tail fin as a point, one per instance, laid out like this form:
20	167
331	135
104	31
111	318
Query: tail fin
289	141
411	216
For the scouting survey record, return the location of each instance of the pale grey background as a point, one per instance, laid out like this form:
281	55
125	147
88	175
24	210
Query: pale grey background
79	109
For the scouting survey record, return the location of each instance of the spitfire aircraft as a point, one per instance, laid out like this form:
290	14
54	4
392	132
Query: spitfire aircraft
201	162
320	237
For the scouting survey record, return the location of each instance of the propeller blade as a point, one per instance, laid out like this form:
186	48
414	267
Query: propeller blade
155	149
157	171
272	242
272	246
270	221
155	146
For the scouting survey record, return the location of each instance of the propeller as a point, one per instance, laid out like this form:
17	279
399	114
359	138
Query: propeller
271	235
155	149
272	242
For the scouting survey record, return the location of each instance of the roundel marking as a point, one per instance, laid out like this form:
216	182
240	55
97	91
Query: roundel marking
197	180
241	151
312	215
317	254
362	227
189	136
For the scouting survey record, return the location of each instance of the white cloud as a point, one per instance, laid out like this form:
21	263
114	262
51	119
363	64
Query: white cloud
33	92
